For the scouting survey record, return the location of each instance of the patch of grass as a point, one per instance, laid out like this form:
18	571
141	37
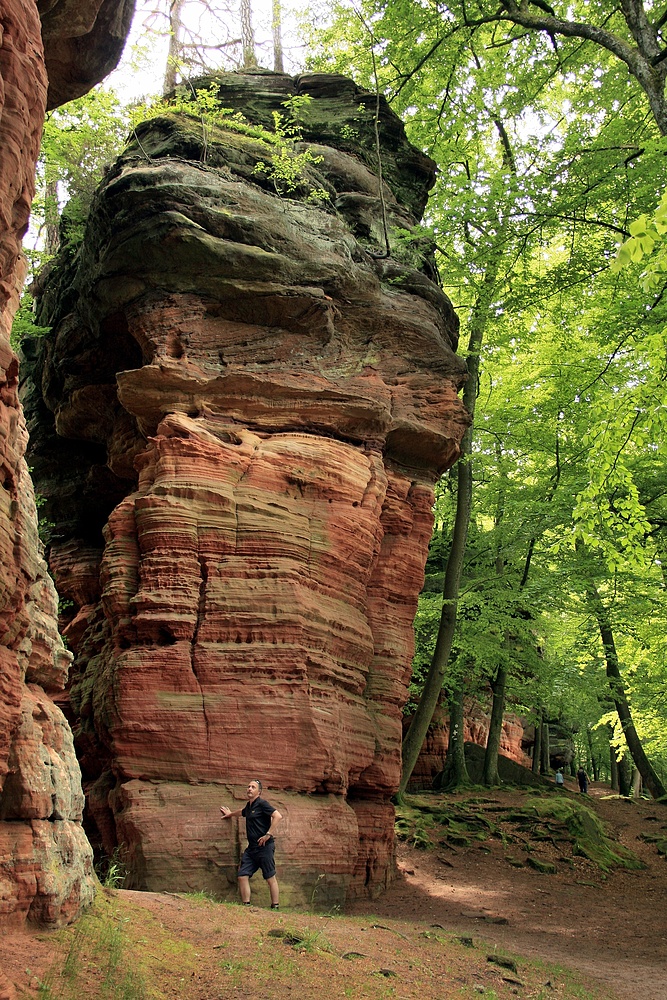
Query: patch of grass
112	871
97	949
200	896
306	940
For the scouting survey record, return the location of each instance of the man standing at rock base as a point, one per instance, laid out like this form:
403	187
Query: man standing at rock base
261	819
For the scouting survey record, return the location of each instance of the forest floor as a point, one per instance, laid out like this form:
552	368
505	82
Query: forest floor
467	916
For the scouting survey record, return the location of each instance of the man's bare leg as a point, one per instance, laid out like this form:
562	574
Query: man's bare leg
273	889
244	888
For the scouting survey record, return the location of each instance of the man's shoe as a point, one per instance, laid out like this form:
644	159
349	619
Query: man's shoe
275	906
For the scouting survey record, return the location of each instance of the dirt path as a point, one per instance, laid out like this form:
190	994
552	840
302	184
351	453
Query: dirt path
613	929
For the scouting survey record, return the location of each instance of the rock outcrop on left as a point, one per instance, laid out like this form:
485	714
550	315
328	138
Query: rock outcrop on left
45	858
83	41
237	421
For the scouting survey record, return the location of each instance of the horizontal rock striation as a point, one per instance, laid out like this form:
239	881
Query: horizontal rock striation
45	858
237	422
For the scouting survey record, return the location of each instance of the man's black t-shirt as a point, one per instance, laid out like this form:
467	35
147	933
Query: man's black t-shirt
257	819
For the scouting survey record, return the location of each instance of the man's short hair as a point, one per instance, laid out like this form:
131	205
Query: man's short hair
257	782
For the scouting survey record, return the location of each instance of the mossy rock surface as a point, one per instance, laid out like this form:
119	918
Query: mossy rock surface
543	867
555	821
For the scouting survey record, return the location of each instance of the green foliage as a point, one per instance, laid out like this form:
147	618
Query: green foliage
571	410
285	165
647	239
112	871
24	322
78	142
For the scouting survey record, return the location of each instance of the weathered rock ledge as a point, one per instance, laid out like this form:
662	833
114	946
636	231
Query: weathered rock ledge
237	422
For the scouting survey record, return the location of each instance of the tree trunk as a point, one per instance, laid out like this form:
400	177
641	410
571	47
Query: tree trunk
537	745
276	28
174	55
421	720
498	686
51	215
625	775
545	757
247	36
636	784
595	766
613	761
617	688
455	773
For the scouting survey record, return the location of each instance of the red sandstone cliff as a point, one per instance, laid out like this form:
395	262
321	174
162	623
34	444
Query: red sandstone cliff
237	422
45	859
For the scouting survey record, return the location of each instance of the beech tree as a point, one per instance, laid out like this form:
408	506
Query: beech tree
588	160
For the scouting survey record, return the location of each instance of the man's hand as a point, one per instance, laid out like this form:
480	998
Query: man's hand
225	811
264	840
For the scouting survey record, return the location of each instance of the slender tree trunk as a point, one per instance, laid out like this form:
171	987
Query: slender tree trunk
455	773
499	682
613	761
51	214
642	763
421	720
174	54
247	36
595	766
625	775
545	762
276	28
636	783
537	745
498	687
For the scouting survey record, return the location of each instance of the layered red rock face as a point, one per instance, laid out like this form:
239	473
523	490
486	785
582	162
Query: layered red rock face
45	859
287	394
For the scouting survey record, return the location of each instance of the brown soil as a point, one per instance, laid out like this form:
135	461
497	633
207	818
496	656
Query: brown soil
413	943
611	928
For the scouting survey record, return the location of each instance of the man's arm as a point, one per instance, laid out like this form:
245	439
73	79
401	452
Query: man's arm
275	819
227	813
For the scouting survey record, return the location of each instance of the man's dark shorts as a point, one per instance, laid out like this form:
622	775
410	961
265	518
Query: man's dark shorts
259	857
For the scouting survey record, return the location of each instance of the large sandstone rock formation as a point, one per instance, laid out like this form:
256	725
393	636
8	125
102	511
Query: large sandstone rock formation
237	422
45	859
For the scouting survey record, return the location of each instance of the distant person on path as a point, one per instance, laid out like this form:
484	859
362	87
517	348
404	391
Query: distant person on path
560	780
582	778
261	819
